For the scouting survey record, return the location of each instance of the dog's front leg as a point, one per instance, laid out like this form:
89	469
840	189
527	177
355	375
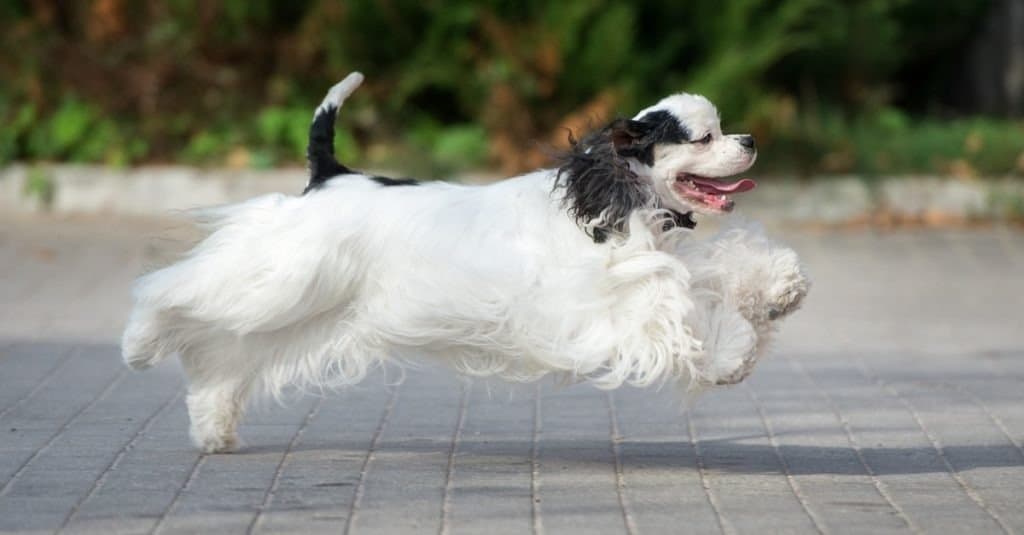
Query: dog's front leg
754	283
763	278
730	342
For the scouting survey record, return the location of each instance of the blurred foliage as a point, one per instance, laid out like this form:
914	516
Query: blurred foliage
40	186
825	85
888	141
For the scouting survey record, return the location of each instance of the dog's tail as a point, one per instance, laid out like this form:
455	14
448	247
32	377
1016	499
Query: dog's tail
322	164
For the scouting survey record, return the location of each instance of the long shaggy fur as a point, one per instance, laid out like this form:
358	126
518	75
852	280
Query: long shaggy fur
601	188
501	280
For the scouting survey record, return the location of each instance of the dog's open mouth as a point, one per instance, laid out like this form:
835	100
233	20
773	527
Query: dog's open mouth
709	192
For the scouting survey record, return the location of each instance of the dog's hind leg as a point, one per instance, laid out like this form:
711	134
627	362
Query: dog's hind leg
214	412
216	403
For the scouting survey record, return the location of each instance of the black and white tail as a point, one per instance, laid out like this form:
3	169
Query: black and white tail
322	164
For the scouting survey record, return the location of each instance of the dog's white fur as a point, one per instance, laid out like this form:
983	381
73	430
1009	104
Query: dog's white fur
497	280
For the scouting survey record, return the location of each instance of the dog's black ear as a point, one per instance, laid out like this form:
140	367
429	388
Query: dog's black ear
626	133
637	139
632	139
600	188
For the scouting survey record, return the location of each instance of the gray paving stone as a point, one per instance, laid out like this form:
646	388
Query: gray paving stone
662	476
578	488
742	468
317	483
492	482
890	404
405	483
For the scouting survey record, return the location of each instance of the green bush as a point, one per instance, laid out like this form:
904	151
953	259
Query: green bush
889	142
461	147
17	125
206	146
445	149
825	86
75	132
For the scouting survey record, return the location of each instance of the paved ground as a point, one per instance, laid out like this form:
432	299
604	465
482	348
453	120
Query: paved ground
893	403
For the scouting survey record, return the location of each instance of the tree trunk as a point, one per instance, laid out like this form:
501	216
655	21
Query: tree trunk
994	74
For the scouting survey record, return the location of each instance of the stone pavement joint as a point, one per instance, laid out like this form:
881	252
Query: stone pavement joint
269	496
361	485
193	471
146	424
723	524
937	444
883	491
538	428
449	478
49	375
620	478
46	445
793	485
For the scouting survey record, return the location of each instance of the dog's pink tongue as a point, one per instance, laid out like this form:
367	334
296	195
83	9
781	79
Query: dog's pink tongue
744	184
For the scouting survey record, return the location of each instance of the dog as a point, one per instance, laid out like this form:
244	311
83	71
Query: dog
589	271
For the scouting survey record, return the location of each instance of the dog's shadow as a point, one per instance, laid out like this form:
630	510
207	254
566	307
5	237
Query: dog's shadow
721	456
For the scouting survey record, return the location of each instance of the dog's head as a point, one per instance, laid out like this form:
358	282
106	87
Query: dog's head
672	155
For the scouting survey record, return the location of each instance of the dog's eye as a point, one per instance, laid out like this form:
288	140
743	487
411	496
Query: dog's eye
704	140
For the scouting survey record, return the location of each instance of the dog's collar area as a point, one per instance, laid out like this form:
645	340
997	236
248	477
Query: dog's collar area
684	220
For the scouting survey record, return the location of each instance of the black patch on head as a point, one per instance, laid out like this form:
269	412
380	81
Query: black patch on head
320	152
598	181
387	181
665	127
637	139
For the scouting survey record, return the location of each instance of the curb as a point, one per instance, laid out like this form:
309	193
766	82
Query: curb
161	191
144	191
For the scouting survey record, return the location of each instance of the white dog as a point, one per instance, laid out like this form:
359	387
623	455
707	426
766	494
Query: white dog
588	271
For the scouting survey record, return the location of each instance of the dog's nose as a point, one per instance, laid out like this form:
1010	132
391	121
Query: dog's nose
748	142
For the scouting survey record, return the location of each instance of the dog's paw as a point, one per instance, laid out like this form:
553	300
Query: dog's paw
787	293
737	372
216	443
213	425
732	348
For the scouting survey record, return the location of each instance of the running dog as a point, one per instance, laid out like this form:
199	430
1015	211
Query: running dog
588	270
